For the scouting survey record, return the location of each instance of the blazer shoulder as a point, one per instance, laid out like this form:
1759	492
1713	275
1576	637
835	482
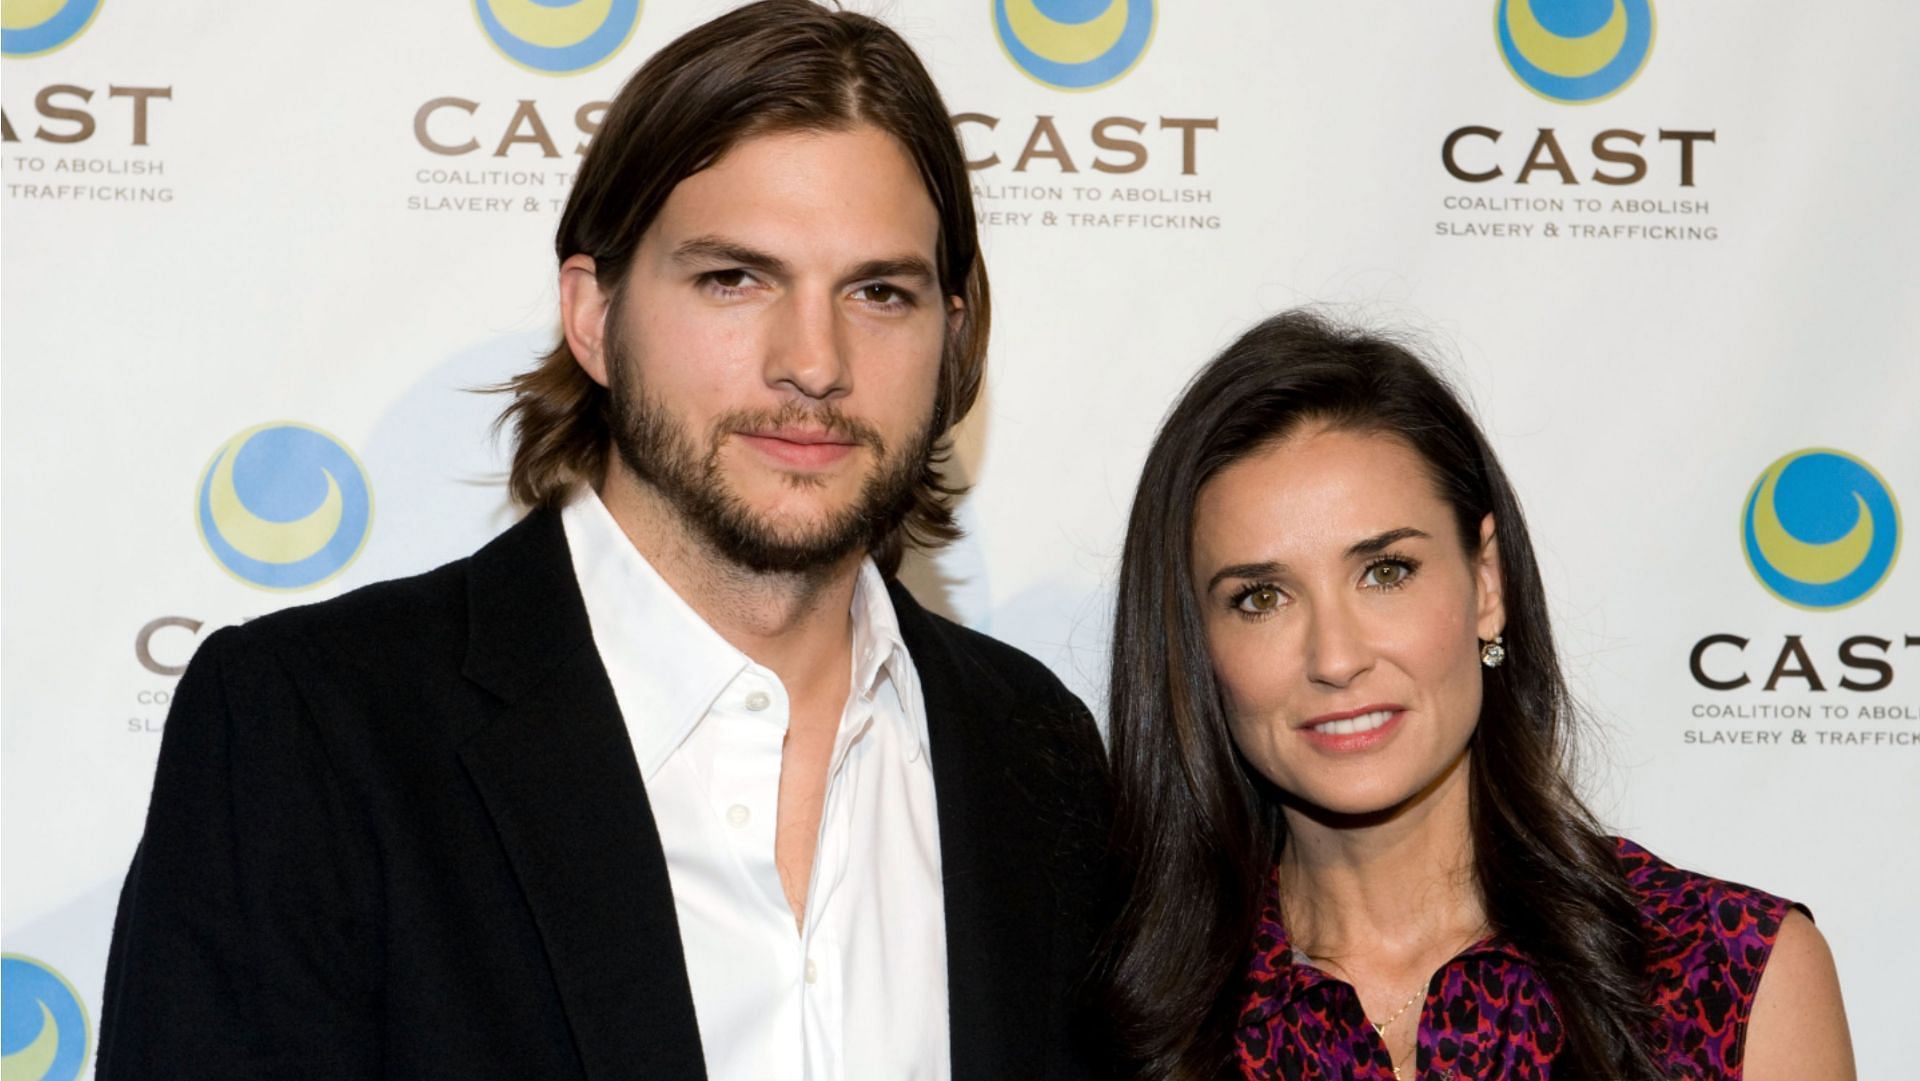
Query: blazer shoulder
1012	669
402	625
376	616
1023	673
970	675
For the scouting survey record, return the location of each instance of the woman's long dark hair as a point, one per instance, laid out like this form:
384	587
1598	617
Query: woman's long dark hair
1195	841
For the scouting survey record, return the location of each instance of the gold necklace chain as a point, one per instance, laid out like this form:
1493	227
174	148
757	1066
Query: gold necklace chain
1380	1027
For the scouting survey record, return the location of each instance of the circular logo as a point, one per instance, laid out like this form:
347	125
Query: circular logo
284	506
1074	44
1574	51
44	1034
1820	529
558	37
32	27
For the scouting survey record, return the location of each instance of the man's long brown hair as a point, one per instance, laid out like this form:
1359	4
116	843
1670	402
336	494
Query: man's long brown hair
773	66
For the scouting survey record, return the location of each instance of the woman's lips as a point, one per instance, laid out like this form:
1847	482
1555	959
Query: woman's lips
1353	730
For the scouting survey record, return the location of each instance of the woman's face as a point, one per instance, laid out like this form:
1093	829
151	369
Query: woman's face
1343	617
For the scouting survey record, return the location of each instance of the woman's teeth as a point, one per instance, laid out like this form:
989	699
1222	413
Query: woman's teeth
1366	722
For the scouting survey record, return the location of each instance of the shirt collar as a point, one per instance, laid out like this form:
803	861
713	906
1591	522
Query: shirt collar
880	653
638	623
638	620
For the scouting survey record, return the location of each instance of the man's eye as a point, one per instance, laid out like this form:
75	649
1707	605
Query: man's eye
729	280
882	293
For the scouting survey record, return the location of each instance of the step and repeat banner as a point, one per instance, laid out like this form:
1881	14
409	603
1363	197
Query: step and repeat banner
261	260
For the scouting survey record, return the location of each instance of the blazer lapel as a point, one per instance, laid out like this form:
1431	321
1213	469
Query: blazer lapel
555	767
999	901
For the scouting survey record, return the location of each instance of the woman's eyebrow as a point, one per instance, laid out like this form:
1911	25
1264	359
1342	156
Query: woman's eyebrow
1268	569
1380	542
1373	545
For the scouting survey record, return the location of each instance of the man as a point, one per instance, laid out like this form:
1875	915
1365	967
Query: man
670	780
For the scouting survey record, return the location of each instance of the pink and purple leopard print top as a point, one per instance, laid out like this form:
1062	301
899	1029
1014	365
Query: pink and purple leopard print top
1488	1014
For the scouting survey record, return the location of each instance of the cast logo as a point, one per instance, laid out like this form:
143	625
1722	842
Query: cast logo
284	506
558	37
1820	529
1574	51
36	27
44	1033
1074	44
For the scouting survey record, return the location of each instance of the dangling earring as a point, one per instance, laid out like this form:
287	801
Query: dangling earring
1493	654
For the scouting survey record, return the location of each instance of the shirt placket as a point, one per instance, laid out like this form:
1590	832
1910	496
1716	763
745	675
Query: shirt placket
751	718
823	986
1464	977
744	790
1424	1054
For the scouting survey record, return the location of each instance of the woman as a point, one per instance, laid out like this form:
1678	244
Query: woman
1346	832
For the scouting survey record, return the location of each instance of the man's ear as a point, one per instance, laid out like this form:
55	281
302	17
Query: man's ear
583	315
956	314
1491	615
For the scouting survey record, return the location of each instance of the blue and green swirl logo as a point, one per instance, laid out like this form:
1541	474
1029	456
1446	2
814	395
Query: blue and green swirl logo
44	1034
558	37
33	27
284	506
1074	44
1821	529
1574	51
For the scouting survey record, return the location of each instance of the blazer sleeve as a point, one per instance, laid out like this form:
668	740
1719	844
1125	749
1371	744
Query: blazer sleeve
246	941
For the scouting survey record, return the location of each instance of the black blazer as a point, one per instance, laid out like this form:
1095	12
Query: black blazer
402	834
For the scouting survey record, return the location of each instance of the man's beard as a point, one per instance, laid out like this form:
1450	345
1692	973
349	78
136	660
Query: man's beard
662	454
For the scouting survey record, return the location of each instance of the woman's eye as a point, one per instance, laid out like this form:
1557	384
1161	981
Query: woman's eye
1387	574
1258	600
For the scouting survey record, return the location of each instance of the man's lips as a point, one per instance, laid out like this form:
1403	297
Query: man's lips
802	448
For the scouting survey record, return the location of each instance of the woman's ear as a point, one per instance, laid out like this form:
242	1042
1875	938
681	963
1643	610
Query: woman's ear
1491	613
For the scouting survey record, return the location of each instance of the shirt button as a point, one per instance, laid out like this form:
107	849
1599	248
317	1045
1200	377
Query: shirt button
738	814
759	700
813	973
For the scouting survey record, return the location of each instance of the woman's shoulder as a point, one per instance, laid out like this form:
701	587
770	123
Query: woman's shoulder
1708	941
1689	907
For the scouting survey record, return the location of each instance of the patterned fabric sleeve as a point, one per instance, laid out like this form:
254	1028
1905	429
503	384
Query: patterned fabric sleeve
1709	944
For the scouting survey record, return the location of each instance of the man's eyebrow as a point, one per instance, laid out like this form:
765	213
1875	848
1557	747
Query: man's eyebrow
1376	544
714	249
1269	569
900	266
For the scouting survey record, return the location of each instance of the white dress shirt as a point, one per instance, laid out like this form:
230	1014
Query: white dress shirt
859	991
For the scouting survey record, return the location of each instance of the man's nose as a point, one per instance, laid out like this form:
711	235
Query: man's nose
808	353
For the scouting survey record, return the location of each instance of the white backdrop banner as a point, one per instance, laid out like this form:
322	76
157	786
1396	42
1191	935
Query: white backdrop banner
1665	248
